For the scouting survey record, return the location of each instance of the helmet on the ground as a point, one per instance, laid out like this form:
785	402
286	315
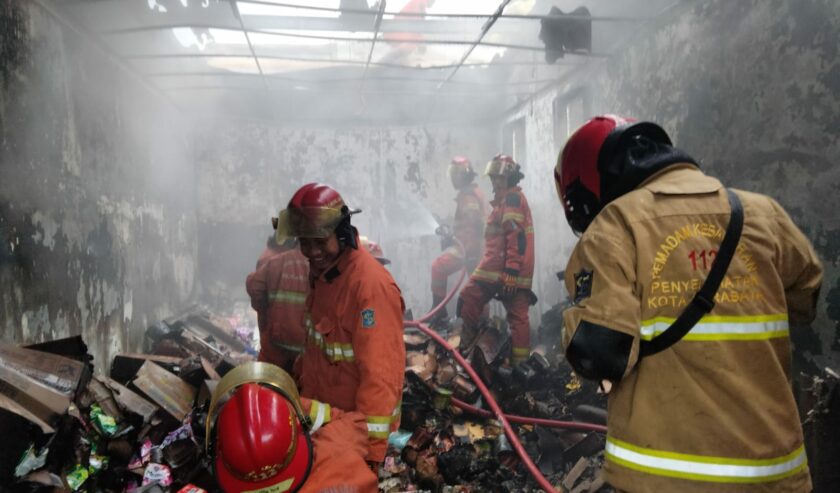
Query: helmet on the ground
605	158
256	431
316	211
504	165
460	172
374	249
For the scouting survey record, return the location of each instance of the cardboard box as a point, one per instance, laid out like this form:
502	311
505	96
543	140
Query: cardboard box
57	372
167	390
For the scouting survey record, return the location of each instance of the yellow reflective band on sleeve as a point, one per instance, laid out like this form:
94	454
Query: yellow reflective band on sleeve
454	252
484	275
705	468
529	230
320	414
336	351
379	426
289	297
516	217
489	276
723	328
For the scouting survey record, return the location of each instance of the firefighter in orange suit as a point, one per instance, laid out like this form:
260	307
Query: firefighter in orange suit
507	267
714	410
264	438
354	358
273	248
278	290
375	249
468	228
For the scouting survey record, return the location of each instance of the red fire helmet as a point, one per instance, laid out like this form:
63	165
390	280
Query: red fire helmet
374	249
261	443
583	162
314	211
460	171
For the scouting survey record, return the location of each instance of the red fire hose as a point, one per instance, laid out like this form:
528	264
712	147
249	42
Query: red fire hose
497	412
485	392
549	423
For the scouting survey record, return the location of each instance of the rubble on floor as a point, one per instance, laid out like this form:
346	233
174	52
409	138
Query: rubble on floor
140	429
136	430
450	450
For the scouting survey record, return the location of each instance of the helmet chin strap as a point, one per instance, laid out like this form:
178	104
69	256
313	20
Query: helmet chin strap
346	233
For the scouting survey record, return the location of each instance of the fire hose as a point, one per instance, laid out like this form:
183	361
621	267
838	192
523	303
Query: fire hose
496	411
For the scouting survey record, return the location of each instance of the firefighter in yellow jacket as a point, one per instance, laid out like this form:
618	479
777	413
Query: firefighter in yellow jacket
713	411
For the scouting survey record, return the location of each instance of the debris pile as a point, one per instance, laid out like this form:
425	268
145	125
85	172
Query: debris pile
137	430
451	449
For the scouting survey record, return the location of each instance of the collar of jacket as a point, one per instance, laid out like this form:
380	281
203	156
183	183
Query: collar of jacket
499	197
338	266
466	190
679	179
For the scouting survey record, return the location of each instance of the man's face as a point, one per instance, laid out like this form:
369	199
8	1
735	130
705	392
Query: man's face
321	252
499	183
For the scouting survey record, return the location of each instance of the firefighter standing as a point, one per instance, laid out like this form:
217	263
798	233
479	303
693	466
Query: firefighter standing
278	290
375	249
468	228
260	440
272	249
714	411
354	357
507	267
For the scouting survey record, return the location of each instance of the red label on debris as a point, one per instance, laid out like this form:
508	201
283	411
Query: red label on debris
191	489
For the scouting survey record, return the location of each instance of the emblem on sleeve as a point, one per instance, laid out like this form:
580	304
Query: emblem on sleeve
368	319
583	285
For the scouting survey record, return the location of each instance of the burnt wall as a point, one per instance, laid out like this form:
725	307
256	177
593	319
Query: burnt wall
247	172
97	221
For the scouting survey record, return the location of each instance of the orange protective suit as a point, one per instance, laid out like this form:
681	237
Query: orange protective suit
354	358
340	445
278	290
468	228
271	250
509	249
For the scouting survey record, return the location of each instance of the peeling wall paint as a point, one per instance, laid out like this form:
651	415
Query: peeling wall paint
246	173
97	202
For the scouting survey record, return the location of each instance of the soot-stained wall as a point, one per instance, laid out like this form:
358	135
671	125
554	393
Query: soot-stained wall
752	90
97	203
396	175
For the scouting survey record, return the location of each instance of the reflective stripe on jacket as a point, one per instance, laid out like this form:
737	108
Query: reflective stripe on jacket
278	292
340	444
508	240
716	407
355	356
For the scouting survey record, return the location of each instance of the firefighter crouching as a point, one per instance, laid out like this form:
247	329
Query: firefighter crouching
354	358
507	267
278	290
261	440
468	228
712	411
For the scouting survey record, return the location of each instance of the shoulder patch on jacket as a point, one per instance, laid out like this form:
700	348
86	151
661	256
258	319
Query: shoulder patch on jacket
583	285
513	200
368	320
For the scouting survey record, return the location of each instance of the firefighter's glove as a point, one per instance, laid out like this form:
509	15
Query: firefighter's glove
508	284
447	238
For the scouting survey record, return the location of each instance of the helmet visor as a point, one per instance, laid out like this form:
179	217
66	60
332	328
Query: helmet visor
494	167
308	222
